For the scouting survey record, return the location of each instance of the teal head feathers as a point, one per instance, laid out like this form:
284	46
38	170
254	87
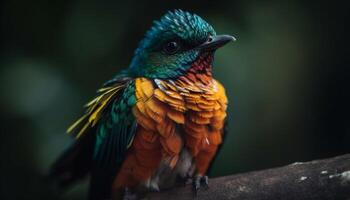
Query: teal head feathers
173	44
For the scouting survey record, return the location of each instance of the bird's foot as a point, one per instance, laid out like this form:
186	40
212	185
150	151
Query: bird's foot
129	195
198	182
183	180
186	180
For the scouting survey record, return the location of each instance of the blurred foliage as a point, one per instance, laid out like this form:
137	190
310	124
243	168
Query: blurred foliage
286	79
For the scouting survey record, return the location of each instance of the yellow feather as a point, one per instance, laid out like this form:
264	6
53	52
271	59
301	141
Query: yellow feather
98	98
147	89
82	130
138	89
95	100
104	89
94	109
159	95
73	126
94	116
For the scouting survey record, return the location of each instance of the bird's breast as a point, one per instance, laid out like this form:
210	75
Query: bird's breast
182	116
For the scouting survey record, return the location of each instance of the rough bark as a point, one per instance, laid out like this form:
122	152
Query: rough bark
314	180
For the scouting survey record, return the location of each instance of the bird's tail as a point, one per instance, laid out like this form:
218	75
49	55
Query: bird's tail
74	163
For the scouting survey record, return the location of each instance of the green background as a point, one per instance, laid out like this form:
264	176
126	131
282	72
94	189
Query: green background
286	79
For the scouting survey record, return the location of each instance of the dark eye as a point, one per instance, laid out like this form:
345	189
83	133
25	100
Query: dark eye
171	47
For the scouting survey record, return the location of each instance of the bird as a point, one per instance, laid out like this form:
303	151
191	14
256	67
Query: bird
157	123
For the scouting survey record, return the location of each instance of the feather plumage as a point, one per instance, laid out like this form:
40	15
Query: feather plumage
165	110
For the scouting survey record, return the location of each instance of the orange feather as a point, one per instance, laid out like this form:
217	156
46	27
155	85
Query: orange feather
143	120
176	116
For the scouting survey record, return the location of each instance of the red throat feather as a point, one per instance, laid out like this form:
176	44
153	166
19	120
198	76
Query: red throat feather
201	69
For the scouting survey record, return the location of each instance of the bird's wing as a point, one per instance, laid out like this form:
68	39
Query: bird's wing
110	113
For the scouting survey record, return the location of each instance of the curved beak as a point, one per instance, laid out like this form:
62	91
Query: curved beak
216	42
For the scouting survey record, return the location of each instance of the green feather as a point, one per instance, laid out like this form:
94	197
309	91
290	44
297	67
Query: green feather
188	30
116	129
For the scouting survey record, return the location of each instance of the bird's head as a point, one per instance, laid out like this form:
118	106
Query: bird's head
175	43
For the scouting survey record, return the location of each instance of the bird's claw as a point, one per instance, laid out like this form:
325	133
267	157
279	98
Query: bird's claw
129	195
199	182
183	181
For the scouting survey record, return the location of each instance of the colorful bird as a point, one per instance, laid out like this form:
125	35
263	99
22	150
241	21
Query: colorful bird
159	121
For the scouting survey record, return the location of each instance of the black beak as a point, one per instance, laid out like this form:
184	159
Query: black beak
214	42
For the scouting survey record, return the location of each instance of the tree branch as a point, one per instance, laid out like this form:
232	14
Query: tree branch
314	180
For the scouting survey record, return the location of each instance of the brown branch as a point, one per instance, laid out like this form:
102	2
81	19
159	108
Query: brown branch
319	179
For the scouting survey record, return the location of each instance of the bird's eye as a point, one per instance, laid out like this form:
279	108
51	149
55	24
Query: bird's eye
171	47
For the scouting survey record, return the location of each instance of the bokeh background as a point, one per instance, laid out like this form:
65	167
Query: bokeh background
286	78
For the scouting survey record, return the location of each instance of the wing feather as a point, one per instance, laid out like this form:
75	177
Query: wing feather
95	108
